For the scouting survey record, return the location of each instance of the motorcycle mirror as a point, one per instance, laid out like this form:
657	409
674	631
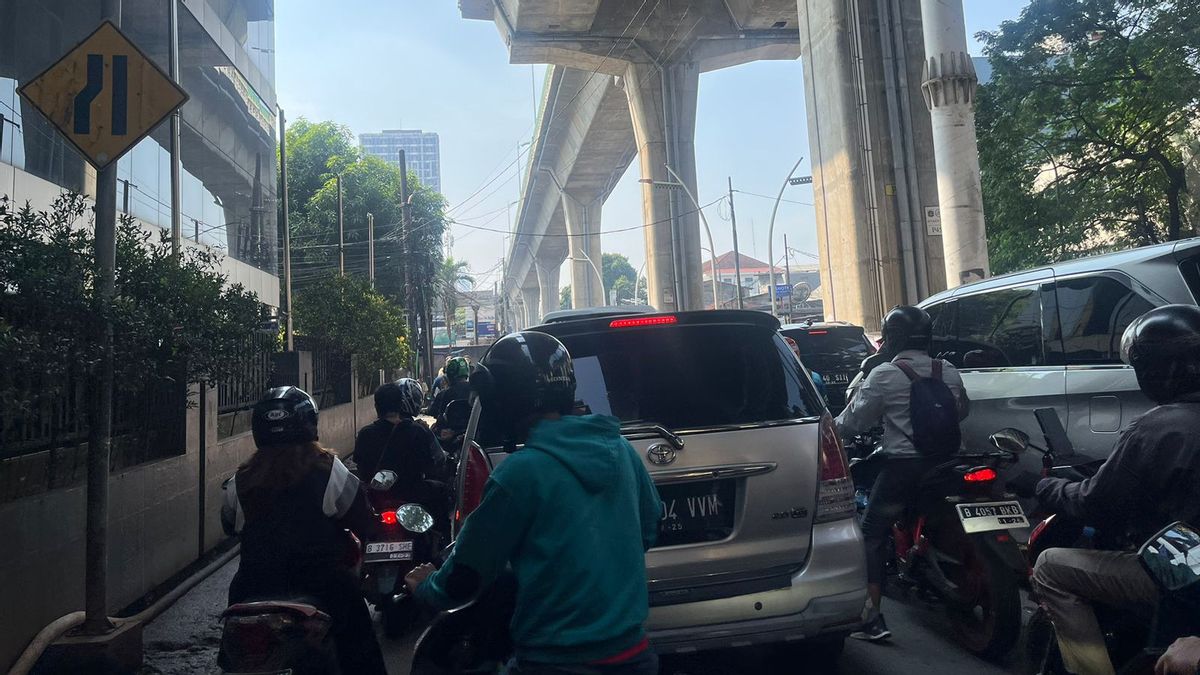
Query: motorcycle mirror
1172	558
414	518
384	480
1010	440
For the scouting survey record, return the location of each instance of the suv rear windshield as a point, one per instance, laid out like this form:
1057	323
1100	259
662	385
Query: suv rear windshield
691	376
834	349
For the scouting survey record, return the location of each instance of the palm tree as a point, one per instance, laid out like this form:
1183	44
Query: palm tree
451	273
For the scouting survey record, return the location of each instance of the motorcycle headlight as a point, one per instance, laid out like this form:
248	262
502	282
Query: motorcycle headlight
414	518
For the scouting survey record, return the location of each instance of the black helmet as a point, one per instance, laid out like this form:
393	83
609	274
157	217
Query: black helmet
524	374
907	327
285	415
1163	346
403	396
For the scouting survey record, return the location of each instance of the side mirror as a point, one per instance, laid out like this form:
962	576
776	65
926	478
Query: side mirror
1010	440
384	480
1172	559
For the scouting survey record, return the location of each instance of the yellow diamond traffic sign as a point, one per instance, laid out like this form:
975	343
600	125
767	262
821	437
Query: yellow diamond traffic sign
104	95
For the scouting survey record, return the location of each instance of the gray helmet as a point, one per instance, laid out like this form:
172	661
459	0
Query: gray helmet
403	396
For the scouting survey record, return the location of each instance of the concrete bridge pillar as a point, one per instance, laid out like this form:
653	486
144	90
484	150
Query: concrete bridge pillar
529	300
662	105
547	274
583	226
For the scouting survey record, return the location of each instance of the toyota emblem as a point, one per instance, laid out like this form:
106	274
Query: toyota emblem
660	454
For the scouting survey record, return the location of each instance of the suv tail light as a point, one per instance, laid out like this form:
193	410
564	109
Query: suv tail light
835	493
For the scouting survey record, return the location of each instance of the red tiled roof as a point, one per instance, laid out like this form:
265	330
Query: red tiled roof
725	264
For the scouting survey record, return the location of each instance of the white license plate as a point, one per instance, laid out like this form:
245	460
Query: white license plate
389	550
838	378
988	516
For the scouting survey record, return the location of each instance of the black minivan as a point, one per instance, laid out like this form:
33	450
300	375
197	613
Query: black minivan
834	350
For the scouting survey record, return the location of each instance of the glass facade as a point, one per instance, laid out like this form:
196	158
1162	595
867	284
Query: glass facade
422	152
228	152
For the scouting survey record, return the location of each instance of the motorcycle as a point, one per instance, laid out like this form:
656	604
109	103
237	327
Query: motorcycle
1172	559
404	540
953	544
1125	634
282	635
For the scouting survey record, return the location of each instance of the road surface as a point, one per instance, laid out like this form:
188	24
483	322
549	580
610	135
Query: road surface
183	641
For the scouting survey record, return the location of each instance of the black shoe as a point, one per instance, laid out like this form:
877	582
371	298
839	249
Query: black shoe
873	631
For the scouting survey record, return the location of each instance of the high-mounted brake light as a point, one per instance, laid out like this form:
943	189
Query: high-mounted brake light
388	517
644	321
818	332
980	475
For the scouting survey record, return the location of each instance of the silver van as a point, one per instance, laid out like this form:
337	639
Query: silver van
758	542
1050	337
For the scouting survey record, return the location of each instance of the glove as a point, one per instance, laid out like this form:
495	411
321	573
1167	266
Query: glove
1024	484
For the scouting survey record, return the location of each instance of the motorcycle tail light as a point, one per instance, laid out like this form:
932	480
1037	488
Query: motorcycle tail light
835	494
983	475
477	472
388	517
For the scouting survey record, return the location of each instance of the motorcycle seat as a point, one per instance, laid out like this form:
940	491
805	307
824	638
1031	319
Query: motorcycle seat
296	607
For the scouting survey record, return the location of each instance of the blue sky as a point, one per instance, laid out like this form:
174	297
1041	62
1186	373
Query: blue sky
417	64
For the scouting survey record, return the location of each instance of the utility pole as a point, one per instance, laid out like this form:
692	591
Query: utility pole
100	418
787	276
341	230
287	236
125	184
406	256
176	130
737	257
371	248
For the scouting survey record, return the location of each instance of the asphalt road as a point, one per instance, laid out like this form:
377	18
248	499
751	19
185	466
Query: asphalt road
184	640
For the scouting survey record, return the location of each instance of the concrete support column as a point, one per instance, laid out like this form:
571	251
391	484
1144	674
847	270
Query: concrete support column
949	89
583	226
529	298
662	106
547	275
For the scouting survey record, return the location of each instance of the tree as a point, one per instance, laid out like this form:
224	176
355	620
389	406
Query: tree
615	266
622	289
1084	127
450	274
564	297
345	315
174	317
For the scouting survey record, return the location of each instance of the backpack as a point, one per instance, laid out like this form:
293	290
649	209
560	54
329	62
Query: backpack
933	411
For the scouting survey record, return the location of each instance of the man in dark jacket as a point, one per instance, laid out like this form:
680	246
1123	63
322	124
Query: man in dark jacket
1150	480
399	443
457	370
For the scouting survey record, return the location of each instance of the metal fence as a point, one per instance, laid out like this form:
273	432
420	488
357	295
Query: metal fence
237	394
331	378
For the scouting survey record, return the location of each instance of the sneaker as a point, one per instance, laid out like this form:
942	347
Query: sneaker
873	631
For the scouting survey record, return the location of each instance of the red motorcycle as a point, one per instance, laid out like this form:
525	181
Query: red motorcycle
953	545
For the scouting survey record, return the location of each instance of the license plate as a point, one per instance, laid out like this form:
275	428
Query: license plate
988	516
695	512
389	550
838	378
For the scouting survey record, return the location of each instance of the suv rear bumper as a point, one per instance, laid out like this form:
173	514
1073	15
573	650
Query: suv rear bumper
826	598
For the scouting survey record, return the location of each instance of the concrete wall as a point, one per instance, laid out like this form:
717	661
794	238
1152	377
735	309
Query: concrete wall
154	526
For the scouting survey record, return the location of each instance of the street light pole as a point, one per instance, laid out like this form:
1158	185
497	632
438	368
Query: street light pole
771	231
341	231
707	230
287	235
595	269
371	248
737	257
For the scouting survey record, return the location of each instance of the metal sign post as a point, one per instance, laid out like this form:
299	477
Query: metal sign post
104	96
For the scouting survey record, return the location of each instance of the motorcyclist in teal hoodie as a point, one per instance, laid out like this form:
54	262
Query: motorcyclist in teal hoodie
572	513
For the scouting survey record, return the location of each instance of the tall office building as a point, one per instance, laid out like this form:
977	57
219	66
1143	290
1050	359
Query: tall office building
422	152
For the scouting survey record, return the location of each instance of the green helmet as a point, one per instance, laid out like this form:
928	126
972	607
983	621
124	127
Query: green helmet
457	368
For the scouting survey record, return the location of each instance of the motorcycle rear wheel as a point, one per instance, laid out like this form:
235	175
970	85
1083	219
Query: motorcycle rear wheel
988	623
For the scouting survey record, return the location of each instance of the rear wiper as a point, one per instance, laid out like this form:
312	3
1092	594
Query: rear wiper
657	429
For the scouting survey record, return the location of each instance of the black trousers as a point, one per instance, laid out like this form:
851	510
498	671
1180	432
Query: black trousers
895	487
336	592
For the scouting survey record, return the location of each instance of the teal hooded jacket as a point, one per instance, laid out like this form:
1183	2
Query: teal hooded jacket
573	513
